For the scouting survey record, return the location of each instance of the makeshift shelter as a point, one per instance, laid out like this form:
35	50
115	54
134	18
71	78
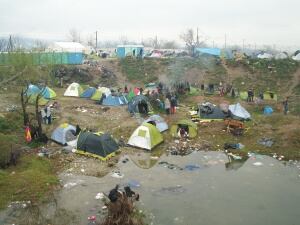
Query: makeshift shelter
42	101
48	93
66	47
208	51
88	93
146	136
98	145
210	112
139	104
268	110
97	95
105	91
190	127
74	90
158	122
115	100
265	56
64	133
238	112
130	50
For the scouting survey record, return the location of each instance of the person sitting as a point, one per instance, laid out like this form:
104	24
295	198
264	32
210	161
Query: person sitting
182	133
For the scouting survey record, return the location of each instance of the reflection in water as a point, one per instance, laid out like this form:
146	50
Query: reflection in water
234	163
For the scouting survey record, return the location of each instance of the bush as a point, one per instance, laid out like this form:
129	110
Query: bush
5	151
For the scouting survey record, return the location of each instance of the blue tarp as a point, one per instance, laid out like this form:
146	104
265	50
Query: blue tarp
208	51
88	93
268	110
114	100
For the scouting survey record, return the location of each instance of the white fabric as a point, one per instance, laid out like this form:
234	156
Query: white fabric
138	141
72	90
265	56
239	111
67	47
160	123
281	56
105	90
297	57
59	134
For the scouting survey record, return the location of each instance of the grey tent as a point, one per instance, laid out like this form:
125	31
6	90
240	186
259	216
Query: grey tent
238	112
139	104
208	111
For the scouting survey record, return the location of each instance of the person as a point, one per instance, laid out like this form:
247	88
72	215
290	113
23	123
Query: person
141	91
250	95
48	115
182	133
232	93
44	116
173	104
261	95
285	106
125	89
167	105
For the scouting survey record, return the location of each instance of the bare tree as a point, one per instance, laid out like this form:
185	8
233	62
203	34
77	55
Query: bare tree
3	44
74	35
40	45
192	40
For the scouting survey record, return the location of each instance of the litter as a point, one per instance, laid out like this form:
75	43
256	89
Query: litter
268	142
257	164
117	175
170	165
99	196
192	167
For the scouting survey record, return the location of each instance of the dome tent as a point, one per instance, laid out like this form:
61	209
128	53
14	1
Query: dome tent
32	89
114	100
74	90
98	145
88	93
139	104
145	136
188	125
64	133
97	95
48	93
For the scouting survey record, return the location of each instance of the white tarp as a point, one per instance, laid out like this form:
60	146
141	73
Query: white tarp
297	57
67	47
265	56
239	111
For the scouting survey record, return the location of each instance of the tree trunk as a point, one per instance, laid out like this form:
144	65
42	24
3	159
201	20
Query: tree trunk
38	116
24	106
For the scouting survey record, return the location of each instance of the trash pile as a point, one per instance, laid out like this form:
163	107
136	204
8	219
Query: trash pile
186	148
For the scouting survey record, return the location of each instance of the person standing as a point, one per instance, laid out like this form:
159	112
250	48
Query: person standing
167	105
285	104
48	115
44	116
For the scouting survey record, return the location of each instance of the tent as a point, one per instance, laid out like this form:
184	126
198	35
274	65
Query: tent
48	93
145	136
139	104
158	121
210	112
32	89
190	127
114	100
208	51
105	90
296	57
270	95
97	95
98	145
74	90
281	55
265	56
239	112
268	110
42	100
64	133
88	93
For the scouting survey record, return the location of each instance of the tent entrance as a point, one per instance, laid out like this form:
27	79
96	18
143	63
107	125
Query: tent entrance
143	107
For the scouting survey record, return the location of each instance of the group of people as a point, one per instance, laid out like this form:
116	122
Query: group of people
170	104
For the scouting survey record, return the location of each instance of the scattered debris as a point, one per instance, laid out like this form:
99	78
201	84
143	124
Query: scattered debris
99	196
257	164
19	204
170	165
268	142
117	174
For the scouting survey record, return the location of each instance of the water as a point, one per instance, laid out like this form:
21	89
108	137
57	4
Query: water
205	193
198	189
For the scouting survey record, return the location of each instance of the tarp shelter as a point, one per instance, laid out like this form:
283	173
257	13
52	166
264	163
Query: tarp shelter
238	112
188	125
139	104
115	100
146	136
74	90
42	100
268	110
210	112
105	91
88	93
48	93
64	133
158	121
208	51
98	145
130	50
150	87
97	95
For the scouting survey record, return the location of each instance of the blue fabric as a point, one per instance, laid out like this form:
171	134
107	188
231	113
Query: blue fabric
32	89
268	110
114	100
121	52
75	58
209	51
88	92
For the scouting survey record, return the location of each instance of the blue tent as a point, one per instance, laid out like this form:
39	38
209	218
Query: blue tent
32	89
114	100
88	93
268	110
208	51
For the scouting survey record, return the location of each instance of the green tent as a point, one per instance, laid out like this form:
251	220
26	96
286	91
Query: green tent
97	95
188	125
270	95
42	100
145	136
98	145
